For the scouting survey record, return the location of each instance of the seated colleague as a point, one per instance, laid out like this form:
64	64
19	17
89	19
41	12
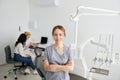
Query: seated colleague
28	44
19	54
29	41
58	60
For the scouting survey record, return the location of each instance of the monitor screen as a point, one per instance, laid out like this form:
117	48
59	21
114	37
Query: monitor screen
44	40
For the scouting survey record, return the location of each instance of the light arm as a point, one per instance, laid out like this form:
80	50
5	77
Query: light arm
105	12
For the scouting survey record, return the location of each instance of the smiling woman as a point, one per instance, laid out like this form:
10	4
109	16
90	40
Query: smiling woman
58	59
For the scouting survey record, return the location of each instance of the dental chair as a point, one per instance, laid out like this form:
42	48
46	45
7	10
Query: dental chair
18	66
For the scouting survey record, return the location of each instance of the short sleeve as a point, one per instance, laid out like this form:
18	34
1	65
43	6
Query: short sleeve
70	54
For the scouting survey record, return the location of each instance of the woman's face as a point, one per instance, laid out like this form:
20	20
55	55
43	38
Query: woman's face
58	35
28	36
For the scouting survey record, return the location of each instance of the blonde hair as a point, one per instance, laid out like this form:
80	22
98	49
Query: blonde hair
27	33
58	27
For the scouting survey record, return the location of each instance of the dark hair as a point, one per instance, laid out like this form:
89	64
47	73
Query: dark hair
58	27
21	39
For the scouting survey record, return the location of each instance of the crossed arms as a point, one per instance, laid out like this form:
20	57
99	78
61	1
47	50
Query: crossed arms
54	67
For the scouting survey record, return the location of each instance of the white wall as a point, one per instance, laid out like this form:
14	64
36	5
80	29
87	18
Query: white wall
13	13
89	26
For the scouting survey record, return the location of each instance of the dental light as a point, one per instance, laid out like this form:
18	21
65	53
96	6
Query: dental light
100	12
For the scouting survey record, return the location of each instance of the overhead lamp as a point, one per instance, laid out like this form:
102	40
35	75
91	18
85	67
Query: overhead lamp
79	12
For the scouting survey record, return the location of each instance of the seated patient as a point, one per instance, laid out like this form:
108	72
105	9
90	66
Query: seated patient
28	44
29	41
19	54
